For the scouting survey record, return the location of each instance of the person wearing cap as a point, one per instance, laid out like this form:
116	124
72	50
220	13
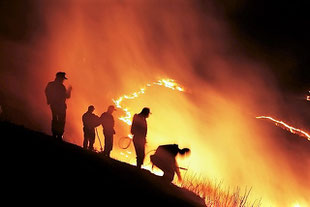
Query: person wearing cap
139	131
90	122
165	159
56	95
107	121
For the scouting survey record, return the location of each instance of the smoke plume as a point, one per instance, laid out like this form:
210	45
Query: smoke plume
110	48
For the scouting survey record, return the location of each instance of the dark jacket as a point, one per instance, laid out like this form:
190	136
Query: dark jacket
56	93
139	125
107	121
90	120
171	150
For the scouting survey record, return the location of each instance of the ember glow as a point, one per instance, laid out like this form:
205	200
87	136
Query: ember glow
287	127
168	83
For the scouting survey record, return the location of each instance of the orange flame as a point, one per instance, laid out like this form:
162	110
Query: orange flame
168	83
287	127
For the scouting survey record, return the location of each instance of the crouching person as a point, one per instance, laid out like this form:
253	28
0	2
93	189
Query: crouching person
165	159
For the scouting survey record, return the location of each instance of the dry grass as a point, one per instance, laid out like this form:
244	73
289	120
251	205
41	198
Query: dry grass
215	195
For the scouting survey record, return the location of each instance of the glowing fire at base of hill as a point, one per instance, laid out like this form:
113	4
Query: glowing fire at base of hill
287	127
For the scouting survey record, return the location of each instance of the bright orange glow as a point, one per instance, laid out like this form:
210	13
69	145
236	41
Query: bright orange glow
287	127
168	83
112	48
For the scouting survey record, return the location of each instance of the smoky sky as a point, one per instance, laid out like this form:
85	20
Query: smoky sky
270	32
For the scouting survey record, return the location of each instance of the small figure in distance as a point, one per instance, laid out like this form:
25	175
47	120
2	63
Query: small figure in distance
107	121
90	122
56	95
139	131
165	159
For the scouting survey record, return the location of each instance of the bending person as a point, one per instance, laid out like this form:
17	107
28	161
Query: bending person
165	159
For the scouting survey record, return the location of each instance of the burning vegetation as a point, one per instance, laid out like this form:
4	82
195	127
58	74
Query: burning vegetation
208	103
287	127
168	83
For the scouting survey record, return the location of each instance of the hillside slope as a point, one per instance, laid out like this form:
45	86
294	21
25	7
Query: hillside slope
36	167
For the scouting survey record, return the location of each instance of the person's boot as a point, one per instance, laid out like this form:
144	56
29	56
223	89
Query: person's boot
59	137
108	154
54	135
139	163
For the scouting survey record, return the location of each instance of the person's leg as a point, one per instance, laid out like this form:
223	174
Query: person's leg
137	149
108	143
92	137
85	142
164	166
142	145
61	122
168	175
54	121
140	151
58	121
111	143
139	157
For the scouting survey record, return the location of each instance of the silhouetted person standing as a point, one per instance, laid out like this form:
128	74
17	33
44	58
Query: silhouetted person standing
165	159
56	94
90	122
108	130
139	131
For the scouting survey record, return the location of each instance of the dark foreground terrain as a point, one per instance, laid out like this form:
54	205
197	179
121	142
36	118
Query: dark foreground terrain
36	169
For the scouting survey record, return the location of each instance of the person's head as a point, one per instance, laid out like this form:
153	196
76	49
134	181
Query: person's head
61	76
145	112
91	109
185	151
111	108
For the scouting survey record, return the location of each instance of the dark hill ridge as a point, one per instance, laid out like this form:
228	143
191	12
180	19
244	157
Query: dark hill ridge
36	167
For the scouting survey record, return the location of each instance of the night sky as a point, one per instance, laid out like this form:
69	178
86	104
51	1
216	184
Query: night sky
275	32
